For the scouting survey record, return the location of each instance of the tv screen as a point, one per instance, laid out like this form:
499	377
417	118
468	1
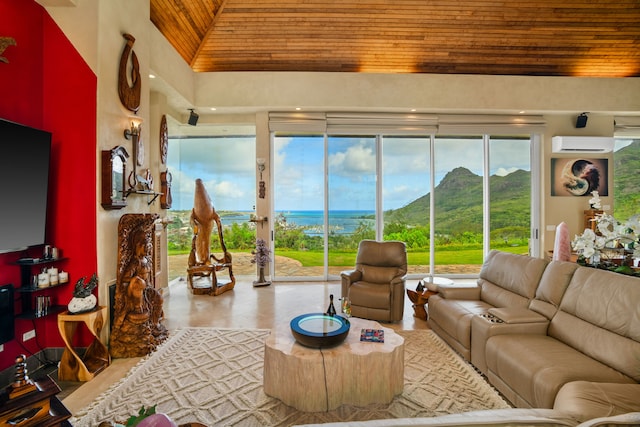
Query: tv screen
24	184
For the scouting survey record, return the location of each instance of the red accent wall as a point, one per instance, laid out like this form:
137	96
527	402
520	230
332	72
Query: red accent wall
47	85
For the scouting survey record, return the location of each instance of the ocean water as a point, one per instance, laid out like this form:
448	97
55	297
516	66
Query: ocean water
340	222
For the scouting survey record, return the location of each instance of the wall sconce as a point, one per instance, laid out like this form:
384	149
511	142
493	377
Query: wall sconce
262	188
133	133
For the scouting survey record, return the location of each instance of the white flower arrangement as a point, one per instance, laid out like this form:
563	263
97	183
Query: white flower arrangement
611	235
594	201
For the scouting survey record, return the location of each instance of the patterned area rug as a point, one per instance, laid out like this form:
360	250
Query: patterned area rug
214	376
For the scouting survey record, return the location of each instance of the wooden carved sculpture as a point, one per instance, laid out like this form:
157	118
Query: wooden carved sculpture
137	329
5	42
202	276
129	95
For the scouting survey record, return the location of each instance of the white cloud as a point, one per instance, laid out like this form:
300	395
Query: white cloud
353	162
505	172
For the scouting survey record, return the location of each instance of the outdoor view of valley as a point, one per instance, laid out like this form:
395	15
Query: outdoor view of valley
458	214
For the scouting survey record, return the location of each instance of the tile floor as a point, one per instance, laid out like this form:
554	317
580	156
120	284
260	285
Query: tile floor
243	307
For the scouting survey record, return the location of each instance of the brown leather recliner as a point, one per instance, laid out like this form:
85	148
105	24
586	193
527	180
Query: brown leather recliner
376	286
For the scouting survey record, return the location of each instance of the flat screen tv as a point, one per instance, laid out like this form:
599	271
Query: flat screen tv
24	184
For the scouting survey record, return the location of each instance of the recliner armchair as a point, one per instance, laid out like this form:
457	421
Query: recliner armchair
376	286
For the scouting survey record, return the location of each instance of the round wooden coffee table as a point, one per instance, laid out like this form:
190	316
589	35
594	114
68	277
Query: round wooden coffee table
354	372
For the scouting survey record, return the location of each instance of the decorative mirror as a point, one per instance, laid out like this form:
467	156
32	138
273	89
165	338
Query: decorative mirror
114	165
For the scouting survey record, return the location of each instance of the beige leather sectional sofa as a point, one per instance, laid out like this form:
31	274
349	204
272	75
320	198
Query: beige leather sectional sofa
560	341
536	328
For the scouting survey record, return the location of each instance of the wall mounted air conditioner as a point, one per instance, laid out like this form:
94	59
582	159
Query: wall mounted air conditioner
582	144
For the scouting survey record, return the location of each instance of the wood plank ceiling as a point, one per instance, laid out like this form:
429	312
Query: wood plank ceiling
599	38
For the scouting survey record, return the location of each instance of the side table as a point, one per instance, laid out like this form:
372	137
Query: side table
419	299
96	358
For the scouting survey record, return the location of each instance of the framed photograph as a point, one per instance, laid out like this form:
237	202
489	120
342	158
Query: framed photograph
579	177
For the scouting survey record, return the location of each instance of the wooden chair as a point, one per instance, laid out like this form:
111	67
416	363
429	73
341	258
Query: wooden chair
204	267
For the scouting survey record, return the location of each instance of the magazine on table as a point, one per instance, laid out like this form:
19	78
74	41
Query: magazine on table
372	335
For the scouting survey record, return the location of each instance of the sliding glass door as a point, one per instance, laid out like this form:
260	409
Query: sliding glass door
510	193
299	206
351	183
406	183
458	204
449	198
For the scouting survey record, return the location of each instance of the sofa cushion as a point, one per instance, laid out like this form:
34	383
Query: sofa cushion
494	417
372	295
508	280
537	366
375	274
600	316
584	400
630	419
553	284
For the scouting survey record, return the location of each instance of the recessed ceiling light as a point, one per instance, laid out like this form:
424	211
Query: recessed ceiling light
213	108
298	108
413	110
522	112
152	76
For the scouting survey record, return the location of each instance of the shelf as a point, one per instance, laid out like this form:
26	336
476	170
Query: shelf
29	289
31	314
144	193
38	261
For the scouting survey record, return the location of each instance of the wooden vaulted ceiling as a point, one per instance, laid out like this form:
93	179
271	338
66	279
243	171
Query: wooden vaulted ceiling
599	38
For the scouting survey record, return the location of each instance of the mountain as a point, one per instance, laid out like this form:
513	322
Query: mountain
626	187
458	202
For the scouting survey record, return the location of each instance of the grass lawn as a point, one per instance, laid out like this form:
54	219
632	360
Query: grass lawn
442	257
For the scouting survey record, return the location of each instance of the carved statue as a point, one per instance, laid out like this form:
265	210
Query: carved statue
5	42
203	266
137	329
129	95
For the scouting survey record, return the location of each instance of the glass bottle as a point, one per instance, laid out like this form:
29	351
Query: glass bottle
346	306
331	311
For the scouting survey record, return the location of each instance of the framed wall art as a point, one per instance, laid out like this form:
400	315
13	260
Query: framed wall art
579	176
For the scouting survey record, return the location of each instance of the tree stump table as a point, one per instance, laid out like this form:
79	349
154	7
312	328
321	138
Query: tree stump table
354	372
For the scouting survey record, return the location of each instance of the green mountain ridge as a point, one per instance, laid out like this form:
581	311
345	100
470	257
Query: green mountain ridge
626	188
458	201
458	198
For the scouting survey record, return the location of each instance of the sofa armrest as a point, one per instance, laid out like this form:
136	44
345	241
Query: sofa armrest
348	277
585	400
505	321
517	315
351	275
459	292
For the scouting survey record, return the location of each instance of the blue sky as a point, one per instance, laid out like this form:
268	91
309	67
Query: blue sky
227	167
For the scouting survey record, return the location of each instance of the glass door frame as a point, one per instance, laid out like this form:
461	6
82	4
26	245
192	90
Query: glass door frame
536	188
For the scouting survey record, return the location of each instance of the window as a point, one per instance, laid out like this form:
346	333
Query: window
333	191
626	186
227	168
